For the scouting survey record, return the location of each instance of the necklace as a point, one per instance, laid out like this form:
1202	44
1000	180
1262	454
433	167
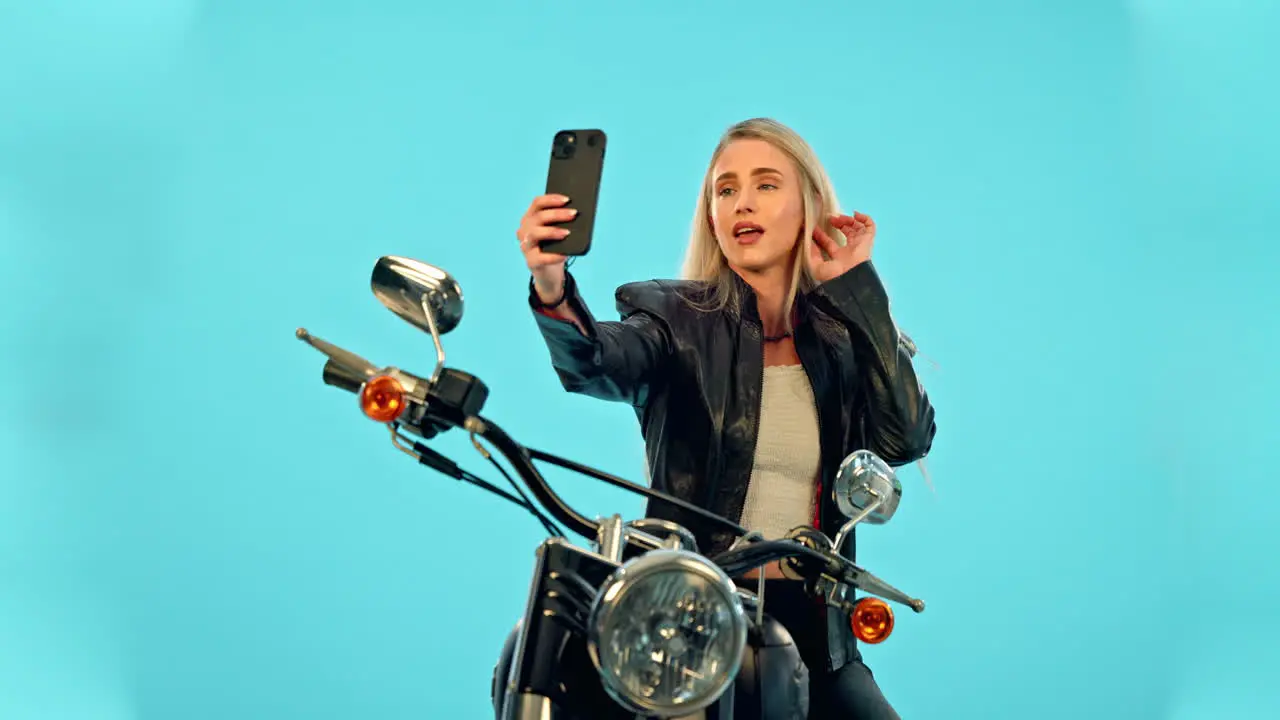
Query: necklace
776	338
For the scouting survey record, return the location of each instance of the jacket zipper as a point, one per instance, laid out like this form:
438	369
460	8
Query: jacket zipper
819	485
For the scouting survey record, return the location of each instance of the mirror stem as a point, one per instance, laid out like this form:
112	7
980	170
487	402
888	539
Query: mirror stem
435	338
848	526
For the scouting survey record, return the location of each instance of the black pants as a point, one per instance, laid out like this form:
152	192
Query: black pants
849	692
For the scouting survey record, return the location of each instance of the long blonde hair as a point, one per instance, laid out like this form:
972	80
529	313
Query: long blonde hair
705	262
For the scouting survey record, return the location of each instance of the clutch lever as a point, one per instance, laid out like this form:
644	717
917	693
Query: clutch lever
345	359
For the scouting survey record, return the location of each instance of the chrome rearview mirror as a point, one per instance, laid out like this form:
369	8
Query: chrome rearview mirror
423	295
866	490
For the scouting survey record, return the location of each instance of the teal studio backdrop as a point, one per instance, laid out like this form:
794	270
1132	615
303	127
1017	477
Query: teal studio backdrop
1077	212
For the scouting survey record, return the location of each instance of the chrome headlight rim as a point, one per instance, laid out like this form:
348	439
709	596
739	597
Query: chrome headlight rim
630	575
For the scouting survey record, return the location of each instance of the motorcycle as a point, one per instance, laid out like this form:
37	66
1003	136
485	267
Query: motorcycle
638	624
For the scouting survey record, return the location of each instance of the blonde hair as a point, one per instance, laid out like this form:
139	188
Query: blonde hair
705	261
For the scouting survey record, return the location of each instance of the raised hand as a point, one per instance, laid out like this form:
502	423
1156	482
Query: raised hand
859	231
535	228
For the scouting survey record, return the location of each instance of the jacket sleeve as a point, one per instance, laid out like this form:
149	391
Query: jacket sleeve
896	419
620	361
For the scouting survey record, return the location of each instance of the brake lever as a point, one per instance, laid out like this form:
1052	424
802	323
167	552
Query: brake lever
838	569
855	576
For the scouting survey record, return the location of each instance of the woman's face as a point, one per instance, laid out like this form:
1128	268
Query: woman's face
757	209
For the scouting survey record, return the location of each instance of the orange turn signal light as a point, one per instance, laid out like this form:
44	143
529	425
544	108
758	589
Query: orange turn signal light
872	620
382	399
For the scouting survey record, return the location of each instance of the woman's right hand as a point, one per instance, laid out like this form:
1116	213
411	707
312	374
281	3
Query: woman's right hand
535	228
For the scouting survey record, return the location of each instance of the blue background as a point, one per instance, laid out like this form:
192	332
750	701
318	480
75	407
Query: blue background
1077	210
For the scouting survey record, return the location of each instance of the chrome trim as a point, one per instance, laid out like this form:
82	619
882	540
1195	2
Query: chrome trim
843	533
677	537
527	706
611	537
650	533
434	327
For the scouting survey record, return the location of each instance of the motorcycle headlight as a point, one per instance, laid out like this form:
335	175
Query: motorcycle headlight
667	633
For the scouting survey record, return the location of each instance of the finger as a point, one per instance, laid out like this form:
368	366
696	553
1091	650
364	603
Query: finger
863	222
532	236
824	241
858	220
848	228
851	225
542	202
814	255
547	217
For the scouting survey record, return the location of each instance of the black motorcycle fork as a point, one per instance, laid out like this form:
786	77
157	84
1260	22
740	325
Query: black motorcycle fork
551	669
551	661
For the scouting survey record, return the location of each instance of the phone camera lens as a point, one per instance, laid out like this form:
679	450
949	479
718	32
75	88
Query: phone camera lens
564	145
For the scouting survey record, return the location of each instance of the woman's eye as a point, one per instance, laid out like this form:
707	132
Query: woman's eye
768	186
724	192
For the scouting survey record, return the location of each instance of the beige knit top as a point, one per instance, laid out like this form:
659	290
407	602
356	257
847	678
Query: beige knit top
780	495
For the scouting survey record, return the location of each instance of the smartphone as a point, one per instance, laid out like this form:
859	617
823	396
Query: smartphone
577	162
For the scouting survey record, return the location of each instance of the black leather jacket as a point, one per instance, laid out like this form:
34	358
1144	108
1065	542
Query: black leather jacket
695	379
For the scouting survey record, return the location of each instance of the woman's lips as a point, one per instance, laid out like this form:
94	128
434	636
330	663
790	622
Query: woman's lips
747	232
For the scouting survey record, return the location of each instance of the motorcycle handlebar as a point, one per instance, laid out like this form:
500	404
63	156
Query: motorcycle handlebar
440	413
339	376
536	483
810	562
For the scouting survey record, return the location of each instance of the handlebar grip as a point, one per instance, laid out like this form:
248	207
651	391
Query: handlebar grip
341	377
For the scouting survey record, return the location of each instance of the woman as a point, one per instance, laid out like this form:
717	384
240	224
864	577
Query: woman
757	374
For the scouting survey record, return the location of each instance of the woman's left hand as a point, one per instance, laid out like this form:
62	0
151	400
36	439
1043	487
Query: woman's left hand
859	231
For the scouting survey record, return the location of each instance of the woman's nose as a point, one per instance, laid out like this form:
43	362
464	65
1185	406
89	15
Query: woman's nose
746	202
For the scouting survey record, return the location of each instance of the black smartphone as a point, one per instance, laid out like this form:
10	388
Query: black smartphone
577	162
